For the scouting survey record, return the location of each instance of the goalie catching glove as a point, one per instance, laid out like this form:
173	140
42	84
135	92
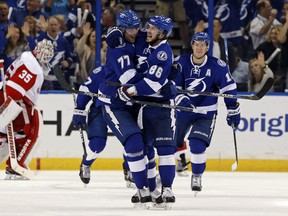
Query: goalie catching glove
233	115
79	118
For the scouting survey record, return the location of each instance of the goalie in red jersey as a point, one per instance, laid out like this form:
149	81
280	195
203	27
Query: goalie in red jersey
19	91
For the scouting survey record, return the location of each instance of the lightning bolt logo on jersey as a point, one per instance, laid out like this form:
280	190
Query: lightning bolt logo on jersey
211	76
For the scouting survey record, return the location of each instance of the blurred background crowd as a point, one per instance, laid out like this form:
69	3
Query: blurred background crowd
254	29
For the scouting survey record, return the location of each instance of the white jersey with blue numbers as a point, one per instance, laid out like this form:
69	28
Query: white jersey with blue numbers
211	76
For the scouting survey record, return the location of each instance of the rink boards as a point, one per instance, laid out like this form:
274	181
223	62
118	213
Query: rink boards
262	137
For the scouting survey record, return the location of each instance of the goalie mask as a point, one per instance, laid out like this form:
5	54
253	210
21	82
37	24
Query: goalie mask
44	51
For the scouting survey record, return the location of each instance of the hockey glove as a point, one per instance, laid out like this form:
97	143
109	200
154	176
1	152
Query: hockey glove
174	72
233	115
114	37
169	90
79	118
123	94
184	101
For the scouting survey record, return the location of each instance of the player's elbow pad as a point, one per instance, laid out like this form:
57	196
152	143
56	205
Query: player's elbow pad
13	93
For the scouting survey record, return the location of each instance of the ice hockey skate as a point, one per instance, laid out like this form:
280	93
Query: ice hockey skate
12	175
129	179
142	199
196	185
157	200
85	174
182	168
168	197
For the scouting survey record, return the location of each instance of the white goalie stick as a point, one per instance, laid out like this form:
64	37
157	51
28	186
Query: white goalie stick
67	87
10	136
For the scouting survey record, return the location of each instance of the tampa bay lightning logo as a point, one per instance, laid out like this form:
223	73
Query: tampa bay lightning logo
221	63
222	11
162	56
195	84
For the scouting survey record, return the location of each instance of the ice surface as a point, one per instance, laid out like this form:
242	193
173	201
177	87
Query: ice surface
61	193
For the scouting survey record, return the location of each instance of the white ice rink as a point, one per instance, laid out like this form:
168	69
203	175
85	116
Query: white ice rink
61	193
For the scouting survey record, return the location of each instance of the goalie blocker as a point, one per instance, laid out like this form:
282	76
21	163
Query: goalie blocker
26	122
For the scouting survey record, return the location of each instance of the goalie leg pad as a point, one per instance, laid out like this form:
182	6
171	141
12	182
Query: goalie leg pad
9	110
26	151
4	150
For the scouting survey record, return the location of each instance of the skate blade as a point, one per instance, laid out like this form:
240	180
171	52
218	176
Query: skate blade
130	185
15	177
168	206
140	205
183	174
195	193
159	205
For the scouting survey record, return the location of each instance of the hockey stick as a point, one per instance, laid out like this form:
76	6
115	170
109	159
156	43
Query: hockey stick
234	165
66	86
80	129
10	136
266	87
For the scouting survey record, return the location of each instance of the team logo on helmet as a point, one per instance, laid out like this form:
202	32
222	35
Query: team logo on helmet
162	56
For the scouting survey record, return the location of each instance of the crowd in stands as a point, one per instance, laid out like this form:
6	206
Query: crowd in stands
254	29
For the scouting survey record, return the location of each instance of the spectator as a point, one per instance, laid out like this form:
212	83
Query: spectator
164	7
62	52
280	60
228	12
12	46
261	24
4	21
284	11
33	9
55	7
282	37
31	24
240	74
259	73
108	19
85	49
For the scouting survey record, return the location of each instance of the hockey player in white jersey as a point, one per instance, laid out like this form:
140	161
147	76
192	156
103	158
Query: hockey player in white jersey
23	81
200	72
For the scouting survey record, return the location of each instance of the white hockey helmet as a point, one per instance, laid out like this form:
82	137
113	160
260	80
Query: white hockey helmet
44	51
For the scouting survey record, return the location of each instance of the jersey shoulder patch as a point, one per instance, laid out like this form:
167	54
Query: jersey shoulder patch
162	55
221	63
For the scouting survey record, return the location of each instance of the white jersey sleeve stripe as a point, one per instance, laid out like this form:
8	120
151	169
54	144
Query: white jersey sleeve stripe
16	87
230	87
153	85
129	74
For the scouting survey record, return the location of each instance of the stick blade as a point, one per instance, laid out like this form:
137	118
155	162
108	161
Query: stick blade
62	81
234	166
266	87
